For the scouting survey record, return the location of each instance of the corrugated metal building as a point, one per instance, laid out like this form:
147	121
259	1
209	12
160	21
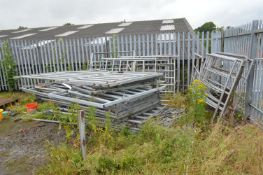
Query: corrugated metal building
102	29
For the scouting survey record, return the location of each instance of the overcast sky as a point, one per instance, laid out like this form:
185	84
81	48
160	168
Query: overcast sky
36	13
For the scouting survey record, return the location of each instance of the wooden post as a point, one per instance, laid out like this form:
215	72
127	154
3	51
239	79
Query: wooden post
82	134
250	79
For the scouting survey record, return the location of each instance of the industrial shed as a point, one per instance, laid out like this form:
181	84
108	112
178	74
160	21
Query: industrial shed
95	30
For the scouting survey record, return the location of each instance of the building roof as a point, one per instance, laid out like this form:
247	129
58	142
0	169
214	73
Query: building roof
94	30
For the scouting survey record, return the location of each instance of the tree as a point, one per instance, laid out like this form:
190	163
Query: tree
68	24
21	27
206	27
9	65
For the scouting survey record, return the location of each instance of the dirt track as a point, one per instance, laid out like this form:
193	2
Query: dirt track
23	145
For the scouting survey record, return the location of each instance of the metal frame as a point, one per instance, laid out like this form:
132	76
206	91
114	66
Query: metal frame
165	65
221	73
123	94
117	97
94	79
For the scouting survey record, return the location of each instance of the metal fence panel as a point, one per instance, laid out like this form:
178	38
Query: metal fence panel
247	40
64	54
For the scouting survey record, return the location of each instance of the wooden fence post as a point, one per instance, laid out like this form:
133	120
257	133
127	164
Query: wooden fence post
82	133
250	79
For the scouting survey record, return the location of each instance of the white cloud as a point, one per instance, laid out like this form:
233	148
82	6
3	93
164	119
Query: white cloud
34	13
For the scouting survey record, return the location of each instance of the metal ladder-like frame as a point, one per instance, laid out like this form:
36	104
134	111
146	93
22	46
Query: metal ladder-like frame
234	75
161	64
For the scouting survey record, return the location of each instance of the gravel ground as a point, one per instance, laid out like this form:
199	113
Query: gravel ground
23	145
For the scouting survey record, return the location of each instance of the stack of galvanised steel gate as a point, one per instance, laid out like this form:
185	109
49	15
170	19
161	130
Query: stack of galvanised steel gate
121	94
165	64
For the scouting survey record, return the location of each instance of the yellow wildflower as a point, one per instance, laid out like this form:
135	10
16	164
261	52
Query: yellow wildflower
196	81
200	101
199	84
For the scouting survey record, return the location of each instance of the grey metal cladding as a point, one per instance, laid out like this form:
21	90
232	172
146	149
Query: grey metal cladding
150	26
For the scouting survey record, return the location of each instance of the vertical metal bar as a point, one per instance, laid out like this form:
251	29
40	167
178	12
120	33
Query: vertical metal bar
178	61
23	44
207	44
56	50
161	41
79	53
252	55
32	59
197	51
139	45
122	45
67	59
156	44
183	59
74	55
90	53
152	53
126	45
83	53
72	58
86	45
193	55
118	45
49	57
165	43
188	59
170	44
52	55
130	43
203	47
134	44
19	65
173	60
148	44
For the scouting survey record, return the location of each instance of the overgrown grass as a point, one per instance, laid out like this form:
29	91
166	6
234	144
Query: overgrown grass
177	100
159	150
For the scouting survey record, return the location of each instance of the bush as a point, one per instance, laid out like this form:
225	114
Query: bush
9	66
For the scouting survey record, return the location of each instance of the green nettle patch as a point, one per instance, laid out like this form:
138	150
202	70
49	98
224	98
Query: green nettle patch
9	66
